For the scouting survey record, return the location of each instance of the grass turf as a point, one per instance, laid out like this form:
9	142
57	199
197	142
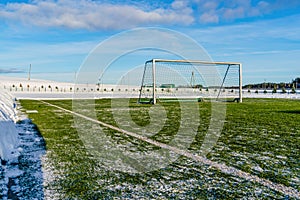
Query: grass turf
260	136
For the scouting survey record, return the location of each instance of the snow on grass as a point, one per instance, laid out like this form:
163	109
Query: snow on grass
21	174
260	137
23	177
245	145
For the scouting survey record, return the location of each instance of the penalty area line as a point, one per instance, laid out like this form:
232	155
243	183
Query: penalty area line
221	167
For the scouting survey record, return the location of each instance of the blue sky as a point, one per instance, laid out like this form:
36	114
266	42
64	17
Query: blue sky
55	36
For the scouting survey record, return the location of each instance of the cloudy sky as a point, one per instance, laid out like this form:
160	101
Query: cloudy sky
55	36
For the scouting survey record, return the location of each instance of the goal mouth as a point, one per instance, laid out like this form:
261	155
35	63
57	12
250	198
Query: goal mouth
166	80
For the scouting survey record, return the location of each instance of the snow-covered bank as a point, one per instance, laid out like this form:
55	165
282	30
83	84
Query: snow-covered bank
21	151
22	88
8	131
23	176
269	94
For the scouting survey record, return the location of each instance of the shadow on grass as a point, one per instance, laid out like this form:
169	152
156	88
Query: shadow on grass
290	111
27	183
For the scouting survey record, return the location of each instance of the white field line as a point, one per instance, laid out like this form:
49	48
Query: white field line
222	167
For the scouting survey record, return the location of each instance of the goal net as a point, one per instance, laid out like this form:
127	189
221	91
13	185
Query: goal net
165	80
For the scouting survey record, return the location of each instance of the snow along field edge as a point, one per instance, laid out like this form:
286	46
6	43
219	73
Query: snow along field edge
8	131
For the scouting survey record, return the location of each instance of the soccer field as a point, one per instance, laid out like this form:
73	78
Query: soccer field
260	139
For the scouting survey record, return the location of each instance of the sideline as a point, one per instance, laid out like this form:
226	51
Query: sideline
222	167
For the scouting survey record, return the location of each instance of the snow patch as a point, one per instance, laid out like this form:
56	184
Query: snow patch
31	111
22	177
8	131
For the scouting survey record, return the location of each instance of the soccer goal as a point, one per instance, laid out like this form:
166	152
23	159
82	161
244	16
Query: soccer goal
166	80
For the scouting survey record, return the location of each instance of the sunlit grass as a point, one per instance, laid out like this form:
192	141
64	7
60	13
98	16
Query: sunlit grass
260	136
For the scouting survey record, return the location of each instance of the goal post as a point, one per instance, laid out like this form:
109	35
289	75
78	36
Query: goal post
190	79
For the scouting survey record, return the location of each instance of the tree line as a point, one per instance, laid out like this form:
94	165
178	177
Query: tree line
294	84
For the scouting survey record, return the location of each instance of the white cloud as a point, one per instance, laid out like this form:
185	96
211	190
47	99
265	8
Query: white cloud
225	10
102	15
179	4
257	36
85	14
233	13
209	18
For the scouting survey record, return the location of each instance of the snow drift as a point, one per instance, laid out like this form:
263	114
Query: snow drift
8	131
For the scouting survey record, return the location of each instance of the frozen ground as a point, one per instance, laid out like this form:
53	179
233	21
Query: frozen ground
21	149
21	146
22	177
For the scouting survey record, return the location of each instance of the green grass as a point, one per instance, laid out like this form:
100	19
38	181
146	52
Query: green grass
260	136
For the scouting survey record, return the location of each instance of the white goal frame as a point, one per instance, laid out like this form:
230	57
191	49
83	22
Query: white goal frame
154	61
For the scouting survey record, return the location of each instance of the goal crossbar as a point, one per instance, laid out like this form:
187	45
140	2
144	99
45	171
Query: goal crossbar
194	62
